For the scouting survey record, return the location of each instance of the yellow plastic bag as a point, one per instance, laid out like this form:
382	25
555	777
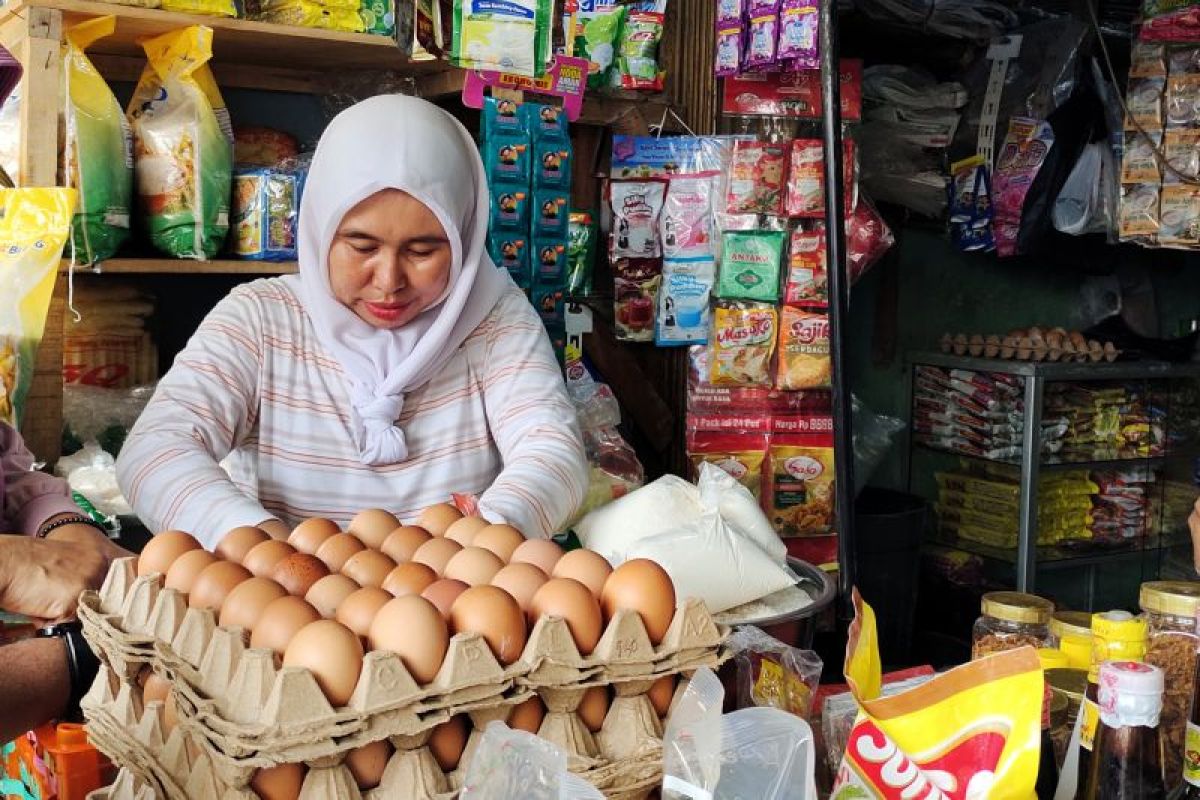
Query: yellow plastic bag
305	14
209	8
974	731
34	226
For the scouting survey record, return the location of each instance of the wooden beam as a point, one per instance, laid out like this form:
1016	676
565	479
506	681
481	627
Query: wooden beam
39	53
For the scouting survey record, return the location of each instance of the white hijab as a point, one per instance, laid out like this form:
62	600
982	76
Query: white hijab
396	142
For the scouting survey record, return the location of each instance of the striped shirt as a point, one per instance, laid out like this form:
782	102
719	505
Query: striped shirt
255	388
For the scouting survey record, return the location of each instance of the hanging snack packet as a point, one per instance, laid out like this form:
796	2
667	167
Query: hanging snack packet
507	157
34	226
635	294
98	152
729	11
551	164
971	206
581	252
503	37
550	264
751	263
378	17
549	302
683	303
763	34
636	206
798	33
687	219
598	44
266	205
545	121
502	115
208	8
804	361
755	183
728	58
742	343
551	210
510	251
183	146
807	282
638	62
510	208
806	178
976	727
311	14
800	482
1026	146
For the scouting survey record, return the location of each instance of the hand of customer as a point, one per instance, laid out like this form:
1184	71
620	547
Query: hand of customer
89	537
1194	527
42	578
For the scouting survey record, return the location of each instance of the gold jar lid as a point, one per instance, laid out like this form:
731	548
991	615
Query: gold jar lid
1071	682
1174	598
1063	623
1017	607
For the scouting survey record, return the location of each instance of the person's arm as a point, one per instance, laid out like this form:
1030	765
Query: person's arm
545	472
31	498
35	685
1194	527
203	409
42	578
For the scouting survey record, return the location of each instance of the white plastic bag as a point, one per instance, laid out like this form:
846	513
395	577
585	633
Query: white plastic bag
738	507
510	764
655	508
92	472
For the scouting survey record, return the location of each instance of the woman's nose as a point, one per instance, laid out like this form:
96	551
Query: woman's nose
390	275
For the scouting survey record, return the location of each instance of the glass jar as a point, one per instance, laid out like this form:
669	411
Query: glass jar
1071	632
1060	728
1170	608
1011	620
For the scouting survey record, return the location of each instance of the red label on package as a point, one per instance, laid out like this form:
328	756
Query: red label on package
807	281
792	94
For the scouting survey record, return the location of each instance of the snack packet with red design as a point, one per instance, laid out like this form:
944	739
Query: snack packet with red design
742	343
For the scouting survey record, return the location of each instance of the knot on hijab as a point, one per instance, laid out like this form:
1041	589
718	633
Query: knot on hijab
382	441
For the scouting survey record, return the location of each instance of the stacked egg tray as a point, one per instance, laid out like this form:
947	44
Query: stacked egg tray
241	712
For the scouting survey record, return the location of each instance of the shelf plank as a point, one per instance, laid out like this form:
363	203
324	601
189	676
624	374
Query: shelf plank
175	266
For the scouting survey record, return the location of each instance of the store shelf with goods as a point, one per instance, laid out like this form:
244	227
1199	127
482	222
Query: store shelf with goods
1054	371
175	266
1051	557
1055	464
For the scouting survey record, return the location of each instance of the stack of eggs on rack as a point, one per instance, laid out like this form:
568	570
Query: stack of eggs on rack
366	662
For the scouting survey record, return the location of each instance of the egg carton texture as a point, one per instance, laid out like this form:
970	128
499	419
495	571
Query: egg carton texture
125	786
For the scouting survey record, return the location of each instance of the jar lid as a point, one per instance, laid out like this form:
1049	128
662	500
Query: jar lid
1064	623
1071	682
1130	693
1176	598
1053	658
1017	607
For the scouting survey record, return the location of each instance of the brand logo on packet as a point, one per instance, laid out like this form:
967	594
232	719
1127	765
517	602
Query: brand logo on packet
803	467
756	328
733	467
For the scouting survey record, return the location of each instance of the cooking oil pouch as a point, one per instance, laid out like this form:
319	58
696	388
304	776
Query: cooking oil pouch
551	164
98	152
502	115
305	14
974	731
549	263
183	146
511	252
208	8
507	155
545	121
502	35
510	208
34	226
551	213
598	44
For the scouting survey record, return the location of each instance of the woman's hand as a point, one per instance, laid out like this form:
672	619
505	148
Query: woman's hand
42	578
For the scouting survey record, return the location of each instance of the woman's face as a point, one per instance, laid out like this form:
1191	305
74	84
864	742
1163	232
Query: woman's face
390	259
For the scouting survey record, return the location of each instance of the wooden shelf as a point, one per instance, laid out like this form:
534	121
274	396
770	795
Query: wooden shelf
175	266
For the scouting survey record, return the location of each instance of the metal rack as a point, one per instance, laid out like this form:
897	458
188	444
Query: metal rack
1031	464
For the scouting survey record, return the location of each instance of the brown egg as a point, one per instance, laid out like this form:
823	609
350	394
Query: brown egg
527	716
436	519
408	579
401	543
443	593
239	541
542	553
312	533
160	552
473	566
187	568
368	762
358	611
464	530
661	692
594	708
494	615
280	621
413	629
521	581
436	553
262	558
368	568
448	741
298	572
215	583
571	600
156	688
279	783
643	586
332	653
337	549
372	526
245	604
502	540
328	593
586	566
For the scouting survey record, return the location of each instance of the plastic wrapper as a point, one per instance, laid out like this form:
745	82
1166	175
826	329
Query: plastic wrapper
582	232
636	206
804	361
762	35
756	178
597	40
798	23
509	763
751	265
636	284
266	207
100	415
683	312
506	37
773	674
92	472
868	238
263	147
209	8
742	343
1018	162
687	219
10	135
874	435
807	283
637	64
971	212
800	483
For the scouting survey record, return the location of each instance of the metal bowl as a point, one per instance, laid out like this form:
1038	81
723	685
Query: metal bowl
794	626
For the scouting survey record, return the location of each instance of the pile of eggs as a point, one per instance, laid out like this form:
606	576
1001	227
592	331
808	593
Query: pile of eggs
325	596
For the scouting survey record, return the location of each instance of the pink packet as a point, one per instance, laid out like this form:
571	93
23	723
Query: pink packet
687	219
728	60
756	178
763	34
798	34
1025	148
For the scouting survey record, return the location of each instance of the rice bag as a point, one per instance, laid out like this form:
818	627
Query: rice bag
505	37
98	152
742	343
501	115
550	264
751	263
266	206
551	164
798	33
507	157
34	226
511	252
545	121
762	35
638	63
510	208
804	361
636	206
582	231
683	316
598	44
687	219
551	210
807	283
756	172
636	283
183	146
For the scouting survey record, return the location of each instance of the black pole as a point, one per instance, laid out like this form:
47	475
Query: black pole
839	299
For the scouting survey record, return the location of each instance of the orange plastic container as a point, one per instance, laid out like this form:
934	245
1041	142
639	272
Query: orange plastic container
54	762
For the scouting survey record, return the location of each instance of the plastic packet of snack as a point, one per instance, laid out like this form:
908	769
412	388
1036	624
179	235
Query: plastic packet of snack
266	206
683	313
740	454
1144	102
550	262
1026	145
551	211
597	42
807	283
806	178
582	231
799	484
510	250
636	283
751	264
687	219
1181	148
551	164
868	237
728	59
549	302
742	343
1147	60
1182	104
545	122
730	10
510	208
798	33
1179	216
1139	220
756	178
636	206
762	35
804	361
1139	161
971	206
502	115
507	155
773	674
638	61
308	14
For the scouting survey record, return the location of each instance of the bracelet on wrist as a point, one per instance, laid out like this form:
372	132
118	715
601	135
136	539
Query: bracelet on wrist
76	519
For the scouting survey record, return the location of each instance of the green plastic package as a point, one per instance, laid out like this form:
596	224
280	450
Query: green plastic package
751	265
183	146
503	35
581	253
597	42
98	152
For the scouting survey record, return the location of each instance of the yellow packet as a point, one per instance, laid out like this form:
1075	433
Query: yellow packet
34	226
208	8
306	14
974	731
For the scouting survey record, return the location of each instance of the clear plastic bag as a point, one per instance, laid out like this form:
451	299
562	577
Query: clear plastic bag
510	764
104	416
92	472
874	435
772	674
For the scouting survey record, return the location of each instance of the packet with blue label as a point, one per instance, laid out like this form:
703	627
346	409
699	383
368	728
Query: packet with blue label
551	214
510	251
502	115
510	208
683	316
507	155
545	121
551	164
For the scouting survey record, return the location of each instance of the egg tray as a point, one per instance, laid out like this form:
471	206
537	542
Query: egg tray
623	759
238	694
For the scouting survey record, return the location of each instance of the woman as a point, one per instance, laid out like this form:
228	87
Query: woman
400	365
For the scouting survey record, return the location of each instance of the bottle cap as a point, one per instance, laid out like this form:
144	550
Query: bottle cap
1130	694
1116	636
1174	598
1064	623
